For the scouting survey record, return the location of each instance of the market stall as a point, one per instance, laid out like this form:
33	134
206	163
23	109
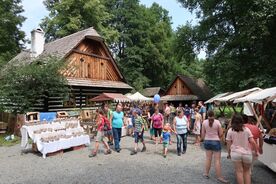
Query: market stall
115	97
258	101
54	136
138	97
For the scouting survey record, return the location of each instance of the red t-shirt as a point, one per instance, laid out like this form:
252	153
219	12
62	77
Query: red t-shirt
256	132
157	120
104	121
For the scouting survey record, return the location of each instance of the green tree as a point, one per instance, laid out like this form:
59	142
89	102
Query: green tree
239	38
21	86
184	56
69	16
143	46
12	39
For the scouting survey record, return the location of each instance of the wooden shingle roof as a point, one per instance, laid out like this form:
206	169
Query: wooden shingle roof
98	83
61	47
197	86
149	92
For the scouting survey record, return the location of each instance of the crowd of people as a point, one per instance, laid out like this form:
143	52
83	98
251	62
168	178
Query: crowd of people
244	139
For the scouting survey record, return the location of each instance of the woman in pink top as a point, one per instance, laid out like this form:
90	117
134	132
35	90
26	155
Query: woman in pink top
157	121
239	139
211	133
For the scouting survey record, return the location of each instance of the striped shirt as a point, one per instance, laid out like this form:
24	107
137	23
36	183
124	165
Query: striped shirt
181	125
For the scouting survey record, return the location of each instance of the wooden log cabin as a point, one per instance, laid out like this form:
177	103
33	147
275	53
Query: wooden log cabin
91	69
184	88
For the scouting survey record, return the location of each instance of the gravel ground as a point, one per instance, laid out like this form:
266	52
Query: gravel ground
149	167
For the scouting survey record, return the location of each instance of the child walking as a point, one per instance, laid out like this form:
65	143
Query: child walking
166	138
102	124
138	132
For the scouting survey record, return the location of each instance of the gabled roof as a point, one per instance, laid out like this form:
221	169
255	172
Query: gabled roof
62	48
151	91
197	87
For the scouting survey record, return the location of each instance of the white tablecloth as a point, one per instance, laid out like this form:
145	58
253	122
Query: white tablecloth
50	147
269	156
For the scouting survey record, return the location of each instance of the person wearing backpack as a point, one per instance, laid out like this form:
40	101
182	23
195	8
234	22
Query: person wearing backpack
157	121
138	132
102	125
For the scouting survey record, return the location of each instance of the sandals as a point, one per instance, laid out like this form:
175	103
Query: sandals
222	180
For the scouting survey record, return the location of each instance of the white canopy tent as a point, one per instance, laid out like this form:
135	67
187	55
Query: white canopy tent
258	97
138	97
236	95
211	100
268	95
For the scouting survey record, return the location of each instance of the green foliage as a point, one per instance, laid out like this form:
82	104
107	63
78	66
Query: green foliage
143	46
21	86
185	61
239	37
11	37
69	16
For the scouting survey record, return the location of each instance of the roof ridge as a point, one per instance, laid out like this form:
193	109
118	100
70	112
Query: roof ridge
73	34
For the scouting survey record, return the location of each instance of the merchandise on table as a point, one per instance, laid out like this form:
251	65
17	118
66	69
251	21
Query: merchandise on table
51	137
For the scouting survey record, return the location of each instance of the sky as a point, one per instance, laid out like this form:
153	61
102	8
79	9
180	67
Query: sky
35	11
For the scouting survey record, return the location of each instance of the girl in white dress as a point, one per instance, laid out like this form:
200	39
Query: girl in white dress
197	125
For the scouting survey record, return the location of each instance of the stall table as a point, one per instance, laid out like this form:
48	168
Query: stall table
65	136
269	156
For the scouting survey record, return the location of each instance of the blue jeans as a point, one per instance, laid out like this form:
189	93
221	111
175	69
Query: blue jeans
117	137
181	140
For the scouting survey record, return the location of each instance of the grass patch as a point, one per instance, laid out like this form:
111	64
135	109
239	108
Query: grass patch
228	111
8	143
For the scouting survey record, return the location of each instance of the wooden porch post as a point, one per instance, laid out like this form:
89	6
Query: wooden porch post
80	98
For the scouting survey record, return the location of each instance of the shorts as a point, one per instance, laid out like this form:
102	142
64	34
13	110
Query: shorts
138	137
165	144
108	133
157	132
212	145
239	157
151	131
100	137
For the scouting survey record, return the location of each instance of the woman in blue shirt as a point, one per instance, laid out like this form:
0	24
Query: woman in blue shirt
117	118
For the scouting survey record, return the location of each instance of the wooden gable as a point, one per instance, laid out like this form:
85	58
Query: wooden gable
178	87
91	60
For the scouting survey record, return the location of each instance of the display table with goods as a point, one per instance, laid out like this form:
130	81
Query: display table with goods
55	136
269	150
269	156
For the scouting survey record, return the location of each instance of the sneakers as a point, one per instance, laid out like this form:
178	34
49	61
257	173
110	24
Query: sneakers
144	149
164	156
92	155
179	154
183	152
133	153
